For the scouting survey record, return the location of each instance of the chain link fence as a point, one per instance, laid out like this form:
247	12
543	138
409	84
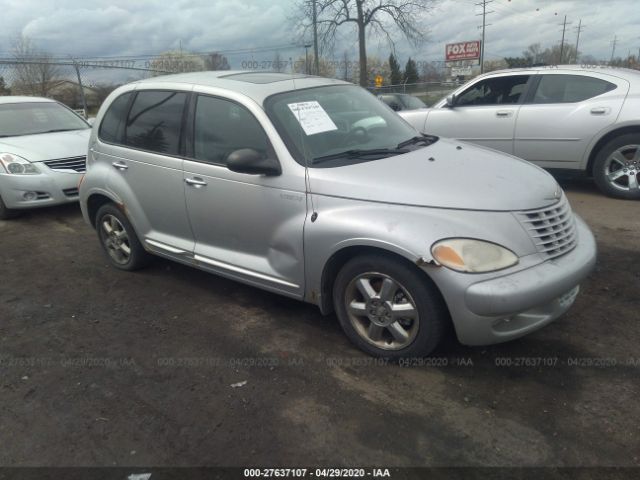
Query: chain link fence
84	84
81	85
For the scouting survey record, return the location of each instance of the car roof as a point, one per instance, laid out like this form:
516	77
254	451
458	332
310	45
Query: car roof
626	73
23	99
255	85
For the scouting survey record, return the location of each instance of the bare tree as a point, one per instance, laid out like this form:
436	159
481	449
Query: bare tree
278	65
35	72
177	61
216	61
377	16
327	68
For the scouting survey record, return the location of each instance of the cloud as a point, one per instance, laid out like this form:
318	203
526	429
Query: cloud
119	28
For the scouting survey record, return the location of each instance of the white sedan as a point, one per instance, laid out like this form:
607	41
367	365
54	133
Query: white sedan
43	153
574	119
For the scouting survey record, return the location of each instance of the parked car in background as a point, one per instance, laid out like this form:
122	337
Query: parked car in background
311	188
569	118
43	150
402	101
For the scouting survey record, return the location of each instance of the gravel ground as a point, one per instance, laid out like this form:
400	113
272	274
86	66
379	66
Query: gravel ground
102	367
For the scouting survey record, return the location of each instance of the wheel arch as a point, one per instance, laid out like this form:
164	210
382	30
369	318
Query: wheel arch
340	257
94	202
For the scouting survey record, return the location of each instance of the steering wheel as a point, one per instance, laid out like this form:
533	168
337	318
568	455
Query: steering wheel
356	135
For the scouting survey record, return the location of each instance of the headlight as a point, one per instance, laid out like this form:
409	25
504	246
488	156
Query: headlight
472	256
16	165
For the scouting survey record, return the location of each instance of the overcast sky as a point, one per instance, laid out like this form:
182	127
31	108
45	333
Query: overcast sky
112	27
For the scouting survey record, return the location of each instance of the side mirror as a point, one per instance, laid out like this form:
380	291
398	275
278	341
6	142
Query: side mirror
450	100
251	162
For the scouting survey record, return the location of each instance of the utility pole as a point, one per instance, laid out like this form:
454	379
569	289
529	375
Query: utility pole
580	27
81	87
316	59
484	14
564	28
613	50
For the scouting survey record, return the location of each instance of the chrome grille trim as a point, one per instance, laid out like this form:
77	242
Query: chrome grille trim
552	229
77	164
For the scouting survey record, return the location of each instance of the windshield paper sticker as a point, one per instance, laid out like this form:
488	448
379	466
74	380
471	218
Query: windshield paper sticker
312	117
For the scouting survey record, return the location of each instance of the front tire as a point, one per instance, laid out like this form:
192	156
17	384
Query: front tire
387	308
119	240
7	213
616	170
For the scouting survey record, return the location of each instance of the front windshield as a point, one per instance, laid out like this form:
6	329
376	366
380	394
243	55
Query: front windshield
326	121
31	118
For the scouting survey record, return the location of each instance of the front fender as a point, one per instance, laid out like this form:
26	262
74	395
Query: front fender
406	231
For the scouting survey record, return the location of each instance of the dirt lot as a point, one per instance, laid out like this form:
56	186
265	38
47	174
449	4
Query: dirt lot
101	367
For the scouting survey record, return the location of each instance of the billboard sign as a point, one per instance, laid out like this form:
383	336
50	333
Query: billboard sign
462	51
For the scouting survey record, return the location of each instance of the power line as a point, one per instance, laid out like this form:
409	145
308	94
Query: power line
8	55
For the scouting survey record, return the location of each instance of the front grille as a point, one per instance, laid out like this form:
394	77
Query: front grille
77	164
553	229
70	192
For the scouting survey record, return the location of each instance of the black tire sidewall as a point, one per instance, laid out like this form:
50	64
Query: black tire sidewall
6	213
431	309
599	174
139	257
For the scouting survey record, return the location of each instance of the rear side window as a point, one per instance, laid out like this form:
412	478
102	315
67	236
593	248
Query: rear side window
221	127
570	88
155	121
114	118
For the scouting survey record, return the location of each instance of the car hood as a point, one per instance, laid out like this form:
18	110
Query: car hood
447	174
48	146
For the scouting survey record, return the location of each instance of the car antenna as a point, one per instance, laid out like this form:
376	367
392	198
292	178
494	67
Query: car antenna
307	177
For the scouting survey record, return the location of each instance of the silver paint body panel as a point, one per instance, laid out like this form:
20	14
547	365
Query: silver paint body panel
258	229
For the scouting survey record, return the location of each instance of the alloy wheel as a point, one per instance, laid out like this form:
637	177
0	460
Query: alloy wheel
622	168
382	311
115	239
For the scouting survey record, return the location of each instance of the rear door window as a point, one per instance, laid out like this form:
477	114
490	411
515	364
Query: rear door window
155	121
570	88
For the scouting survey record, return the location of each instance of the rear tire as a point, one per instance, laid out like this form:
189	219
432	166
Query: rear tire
7	213
119	239
387	308
616	170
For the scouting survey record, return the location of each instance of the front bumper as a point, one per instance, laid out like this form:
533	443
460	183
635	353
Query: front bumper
512	305
51	188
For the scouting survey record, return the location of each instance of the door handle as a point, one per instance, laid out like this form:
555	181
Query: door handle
598	110
504	113
195	182
120	165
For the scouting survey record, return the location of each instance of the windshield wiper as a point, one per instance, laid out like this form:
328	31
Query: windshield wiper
59	130
360	154
426	139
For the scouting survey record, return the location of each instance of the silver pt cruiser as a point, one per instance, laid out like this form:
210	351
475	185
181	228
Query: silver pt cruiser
312	188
